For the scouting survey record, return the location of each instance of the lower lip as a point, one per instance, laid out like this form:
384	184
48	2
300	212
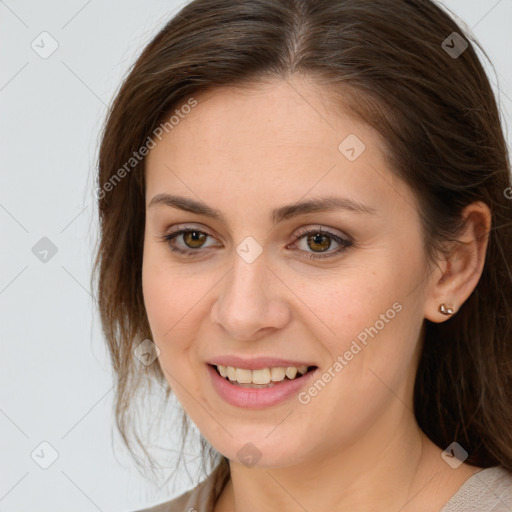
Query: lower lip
257	398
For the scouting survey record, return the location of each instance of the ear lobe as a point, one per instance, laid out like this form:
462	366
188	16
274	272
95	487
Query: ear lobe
463	267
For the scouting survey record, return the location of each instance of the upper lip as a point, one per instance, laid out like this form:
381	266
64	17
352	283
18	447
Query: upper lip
257	363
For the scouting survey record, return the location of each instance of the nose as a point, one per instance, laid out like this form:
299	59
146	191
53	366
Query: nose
252	302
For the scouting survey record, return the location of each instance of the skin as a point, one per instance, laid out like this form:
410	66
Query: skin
355	446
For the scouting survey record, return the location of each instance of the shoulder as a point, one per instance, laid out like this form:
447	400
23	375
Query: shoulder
183	503
190	501
196	499
489	489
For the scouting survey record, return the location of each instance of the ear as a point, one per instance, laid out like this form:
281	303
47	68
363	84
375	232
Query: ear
456	277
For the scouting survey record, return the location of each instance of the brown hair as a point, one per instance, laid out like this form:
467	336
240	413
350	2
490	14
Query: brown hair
441	123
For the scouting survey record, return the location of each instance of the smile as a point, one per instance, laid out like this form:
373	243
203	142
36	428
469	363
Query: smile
261	377
258	388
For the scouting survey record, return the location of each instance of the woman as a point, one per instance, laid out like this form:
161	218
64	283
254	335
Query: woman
305	216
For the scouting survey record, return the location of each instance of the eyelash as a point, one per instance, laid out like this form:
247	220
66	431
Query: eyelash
344	243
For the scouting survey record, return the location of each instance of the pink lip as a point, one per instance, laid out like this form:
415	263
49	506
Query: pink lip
257	363
257	398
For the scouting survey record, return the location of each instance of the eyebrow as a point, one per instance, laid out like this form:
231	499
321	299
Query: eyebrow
323	204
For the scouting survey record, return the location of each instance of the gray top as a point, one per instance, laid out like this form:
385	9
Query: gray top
488	490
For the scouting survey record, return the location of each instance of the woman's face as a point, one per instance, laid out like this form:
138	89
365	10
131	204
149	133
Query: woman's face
249	294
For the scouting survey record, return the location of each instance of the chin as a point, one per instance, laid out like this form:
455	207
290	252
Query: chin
262	452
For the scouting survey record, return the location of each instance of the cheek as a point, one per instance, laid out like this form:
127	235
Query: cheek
164	299
166	311
371	320
370	369
165	290
175	303
156	298
373	356
345	303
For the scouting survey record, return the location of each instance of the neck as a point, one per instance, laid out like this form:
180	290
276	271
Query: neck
386	469
400	470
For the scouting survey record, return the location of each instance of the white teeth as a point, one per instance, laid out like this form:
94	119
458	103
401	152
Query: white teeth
243	376
277	374
291	372
230	373
262	376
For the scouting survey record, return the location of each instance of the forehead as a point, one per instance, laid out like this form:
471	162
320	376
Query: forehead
275	114
276	141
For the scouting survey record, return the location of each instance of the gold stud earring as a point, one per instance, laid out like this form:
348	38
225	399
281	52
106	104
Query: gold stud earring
443	308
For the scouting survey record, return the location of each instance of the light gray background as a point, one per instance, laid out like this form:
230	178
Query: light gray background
55	373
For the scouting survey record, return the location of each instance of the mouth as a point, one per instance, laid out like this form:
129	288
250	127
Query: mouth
263	377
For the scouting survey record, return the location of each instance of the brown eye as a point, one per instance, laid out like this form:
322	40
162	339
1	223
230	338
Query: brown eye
319	241
194	239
